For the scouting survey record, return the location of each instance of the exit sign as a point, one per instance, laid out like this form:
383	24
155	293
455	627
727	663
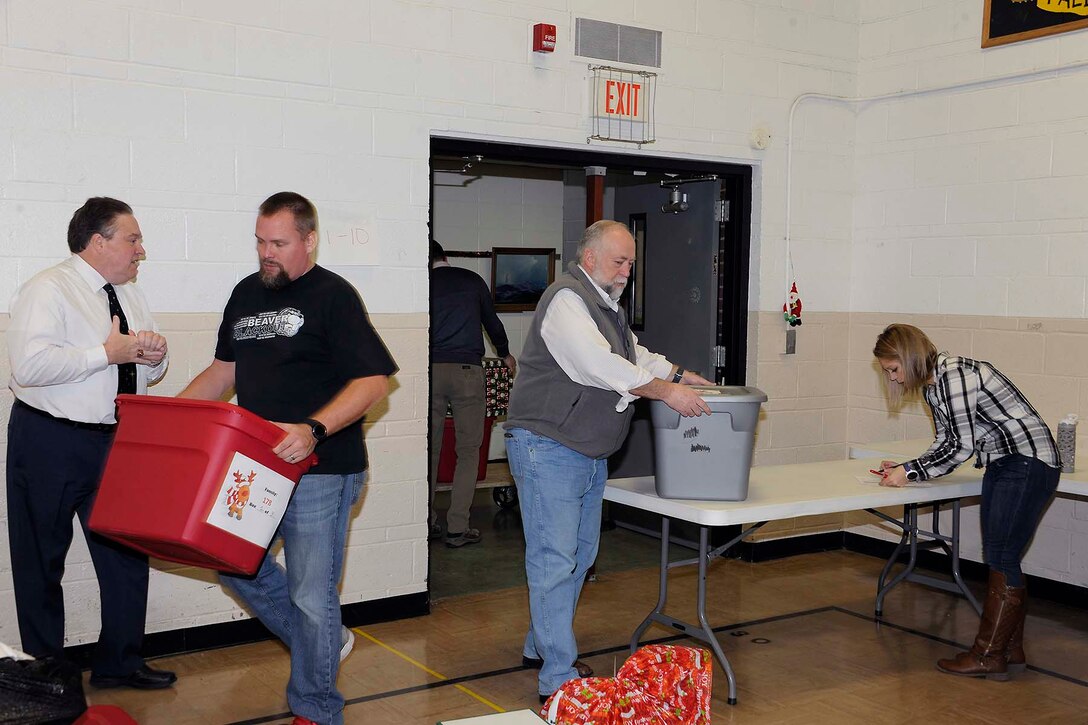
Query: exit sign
622	105
621	99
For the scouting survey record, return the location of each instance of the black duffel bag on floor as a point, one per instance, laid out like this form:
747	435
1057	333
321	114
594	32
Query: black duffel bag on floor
44	691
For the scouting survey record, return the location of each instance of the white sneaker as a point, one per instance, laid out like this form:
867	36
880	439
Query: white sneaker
348	638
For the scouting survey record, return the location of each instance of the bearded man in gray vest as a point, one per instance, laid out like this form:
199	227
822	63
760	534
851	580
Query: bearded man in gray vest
581	367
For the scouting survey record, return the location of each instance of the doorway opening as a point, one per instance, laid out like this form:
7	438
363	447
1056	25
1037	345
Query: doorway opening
687	299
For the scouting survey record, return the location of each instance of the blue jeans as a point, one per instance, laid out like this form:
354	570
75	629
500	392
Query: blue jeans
560	493
301	605
1015	491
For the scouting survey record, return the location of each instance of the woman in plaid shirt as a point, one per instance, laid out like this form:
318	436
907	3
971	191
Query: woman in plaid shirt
978	412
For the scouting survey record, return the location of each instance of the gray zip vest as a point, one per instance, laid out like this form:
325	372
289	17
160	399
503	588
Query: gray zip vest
547	402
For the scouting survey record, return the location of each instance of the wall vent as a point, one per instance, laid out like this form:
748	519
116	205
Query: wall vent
617	43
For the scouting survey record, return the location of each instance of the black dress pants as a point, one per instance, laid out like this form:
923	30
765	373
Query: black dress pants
53	470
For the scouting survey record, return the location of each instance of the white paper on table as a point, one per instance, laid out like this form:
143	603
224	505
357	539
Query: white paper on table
871	479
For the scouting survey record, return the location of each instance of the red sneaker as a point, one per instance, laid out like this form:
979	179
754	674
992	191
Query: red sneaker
299	720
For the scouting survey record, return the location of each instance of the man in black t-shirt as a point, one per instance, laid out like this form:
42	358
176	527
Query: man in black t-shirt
296	343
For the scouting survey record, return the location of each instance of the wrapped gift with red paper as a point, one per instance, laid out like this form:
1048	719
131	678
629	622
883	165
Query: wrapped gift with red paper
496	386
657	685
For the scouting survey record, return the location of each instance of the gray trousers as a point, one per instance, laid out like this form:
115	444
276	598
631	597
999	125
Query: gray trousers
462	388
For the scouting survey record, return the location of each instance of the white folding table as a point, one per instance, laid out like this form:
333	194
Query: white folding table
1070	484
788	491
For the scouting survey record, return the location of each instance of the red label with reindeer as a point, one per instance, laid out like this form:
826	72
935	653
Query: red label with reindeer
251	501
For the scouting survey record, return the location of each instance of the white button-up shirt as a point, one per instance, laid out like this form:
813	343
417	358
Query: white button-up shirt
60	320
585	355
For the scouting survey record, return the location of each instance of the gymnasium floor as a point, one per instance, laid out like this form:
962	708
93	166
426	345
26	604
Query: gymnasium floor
799	633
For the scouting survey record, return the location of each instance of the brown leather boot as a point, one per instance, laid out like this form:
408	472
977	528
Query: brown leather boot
1000	615
1017	661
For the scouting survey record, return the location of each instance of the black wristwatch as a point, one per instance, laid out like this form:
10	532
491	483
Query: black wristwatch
678	375
912	475
317	428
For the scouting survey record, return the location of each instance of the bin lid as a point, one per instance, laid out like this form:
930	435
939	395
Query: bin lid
231	415
730	394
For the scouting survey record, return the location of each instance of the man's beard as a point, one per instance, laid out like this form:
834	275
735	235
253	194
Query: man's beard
277	280
614	290
612	287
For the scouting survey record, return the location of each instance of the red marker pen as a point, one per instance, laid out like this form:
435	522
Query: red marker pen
882	474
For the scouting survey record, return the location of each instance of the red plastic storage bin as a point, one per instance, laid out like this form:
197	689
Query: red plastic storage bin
447	459
195	482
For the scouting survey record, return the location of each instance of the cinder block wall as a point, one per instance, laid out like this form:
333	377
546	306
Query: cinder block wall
1042	357
387	537
963	223
956	205
966	224
194	111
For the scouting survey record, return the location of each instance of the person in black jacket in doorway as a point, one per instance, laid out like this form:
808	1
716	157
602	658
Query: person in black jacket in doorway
460	306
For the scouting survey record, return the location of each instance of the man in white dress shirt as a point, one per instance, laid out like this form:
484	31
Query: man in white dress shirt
569	410
80	333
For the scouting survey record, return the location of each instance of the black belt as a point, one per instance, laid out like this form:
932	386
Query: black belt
79	425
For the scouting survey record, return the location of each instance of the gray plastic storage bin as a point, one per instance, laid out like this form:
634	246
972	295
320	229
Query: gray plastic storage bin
707	458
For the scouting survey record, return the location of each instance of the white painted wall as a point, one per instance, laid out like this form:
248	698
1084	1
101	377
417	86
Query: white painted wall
968	195
194	111
957	203
967	216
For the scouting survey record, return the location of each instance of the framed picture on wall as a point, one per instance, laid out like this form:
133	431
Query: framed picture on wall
1009	21
633	298
519	276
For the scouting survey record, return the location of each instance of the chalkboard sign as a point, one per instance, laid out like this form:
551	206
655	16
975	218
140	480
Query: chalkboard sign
1008	21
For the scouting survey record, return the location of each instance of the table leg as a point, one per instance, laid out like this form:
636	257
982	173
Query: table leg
663	587
710	637
956	558
903	538
702	631
950	544
909	538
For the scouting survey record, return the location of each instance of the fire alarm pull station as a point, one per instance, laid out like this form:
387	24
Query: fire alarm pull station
543	38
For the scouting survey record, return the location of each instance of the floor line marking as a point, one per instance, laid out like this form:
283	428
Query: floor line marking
880	621
455	681
428	670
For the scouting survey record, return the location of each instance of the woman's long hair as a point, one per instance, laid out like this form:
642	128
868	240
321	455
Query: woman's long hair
914	352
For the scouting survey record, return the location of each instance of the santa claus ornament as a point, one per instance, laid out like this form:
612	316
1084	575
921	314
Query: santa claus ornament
791	309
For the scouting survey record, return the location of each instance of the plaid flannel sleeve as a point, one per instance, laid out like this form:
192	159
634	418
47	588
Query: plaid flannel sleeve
953	401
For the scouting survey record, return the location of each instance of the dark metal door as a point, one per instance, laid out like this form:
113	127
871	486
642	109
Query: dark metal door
676	272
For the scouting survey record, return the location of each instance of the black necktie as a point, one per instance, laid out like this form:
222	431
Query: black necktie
126	372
